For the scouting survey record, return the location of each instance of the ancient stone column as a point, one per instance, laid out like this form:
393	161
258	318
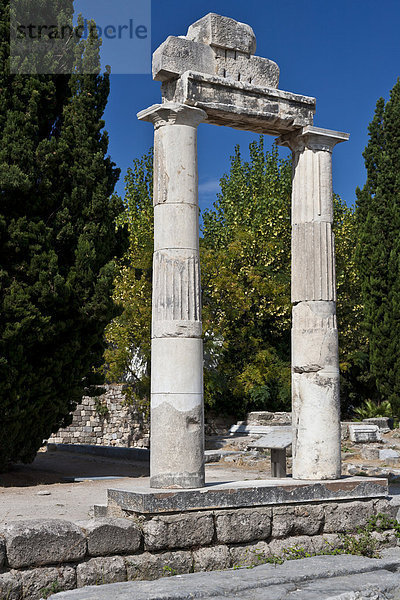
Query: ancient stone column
177	421
315	353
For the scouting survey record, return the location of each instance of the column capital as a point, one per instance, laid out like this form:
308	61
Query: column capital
312	138
171	113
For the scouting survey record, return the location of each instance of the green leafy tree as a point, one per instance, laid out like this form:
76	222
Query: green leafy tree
57	246
246	285
378	247
127	357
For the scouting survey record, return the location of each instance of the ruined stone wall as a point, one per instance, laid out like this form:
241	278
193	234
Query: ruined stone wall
106	421
39	557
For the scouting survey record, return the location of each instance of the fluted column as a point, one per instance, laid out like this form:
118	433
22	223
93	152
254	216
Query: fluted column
177	421
315	352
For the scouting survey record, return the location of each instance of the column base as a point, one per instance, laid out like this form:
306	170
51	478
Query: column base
177	480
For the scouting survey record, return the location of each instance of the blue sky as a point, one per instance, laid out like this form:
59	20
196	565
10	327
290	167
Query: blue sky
346	53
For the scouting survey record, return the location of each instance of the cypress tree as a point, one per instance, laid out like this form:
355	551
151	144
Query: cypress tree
57	244
378	246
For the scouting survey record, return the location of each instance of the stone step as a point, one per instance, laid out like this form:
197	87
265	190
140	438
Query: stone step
314	578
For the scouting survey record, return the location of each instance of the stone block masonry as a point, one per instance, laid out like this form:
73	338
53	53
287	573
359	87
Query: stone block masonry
44	556
106	421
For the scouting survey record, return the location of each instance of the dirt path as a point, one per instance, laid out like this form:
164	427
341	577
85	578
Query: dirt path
42	490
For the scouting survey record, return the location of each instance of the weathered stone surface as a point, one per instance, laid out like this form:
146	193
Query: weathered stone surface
362	433
279	438
111	536
315	358
386	539
153	566
388	453
10	586
39	583
98	571
178	531
249	555
2	551
224	32
297	520
215	558
326	542
388	507
291	544
177	55
385	424
258	71
244	525
348	516
264	417
266	581
240	104
177	419
247	493
42	542
370	453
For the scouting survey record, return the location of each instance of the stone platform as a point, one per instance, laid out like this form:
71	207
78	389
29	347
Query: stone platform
240	494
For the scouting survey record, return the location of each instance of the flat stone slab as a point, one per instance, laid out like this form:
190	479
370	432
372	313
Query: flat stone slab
250	429
278	439
315	578
363	433
246	494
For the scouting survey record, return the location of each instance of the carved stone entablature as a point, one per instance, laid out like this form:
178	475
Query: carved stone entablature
241	105
214	68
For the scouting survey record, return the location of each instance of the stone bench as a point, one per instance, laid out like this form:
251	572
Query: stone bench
276	440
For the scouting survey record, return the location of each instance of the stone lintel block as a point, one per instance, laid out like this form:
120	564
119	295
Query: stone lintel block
243	525
111	536
97	571
364	433
10	586
223	32
42	542
211	559
263	417
153	566
178	531
385	424
35	581
290	521
241	105
347	516
178	54
247	494
256	70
